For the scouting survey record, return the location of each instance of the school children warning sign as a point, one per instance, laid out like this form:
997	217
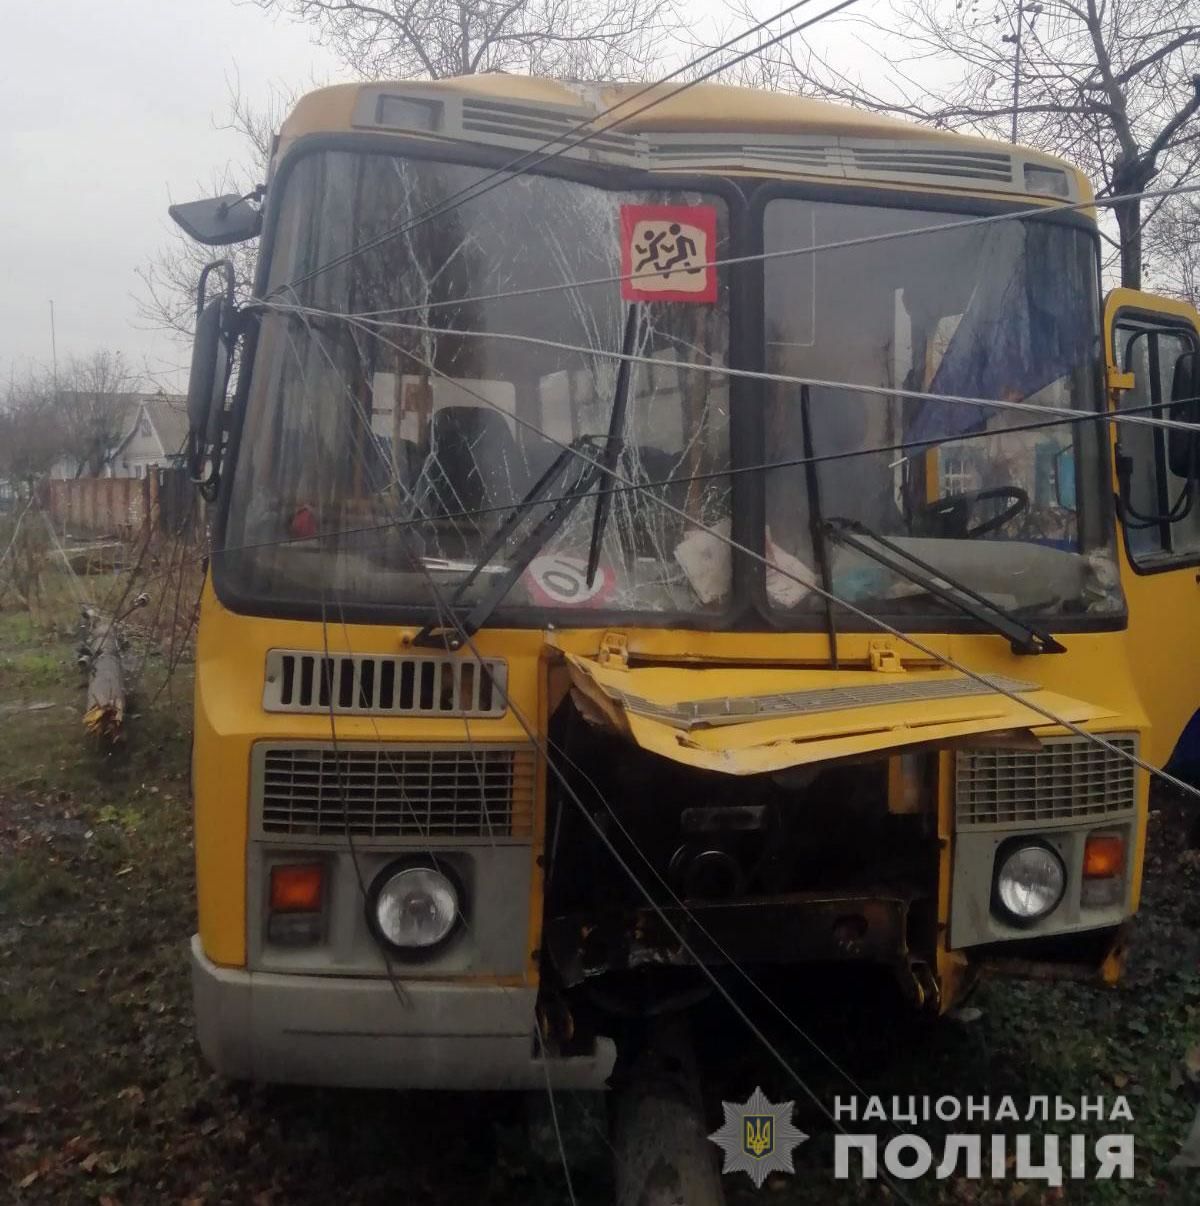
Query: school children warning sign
666	252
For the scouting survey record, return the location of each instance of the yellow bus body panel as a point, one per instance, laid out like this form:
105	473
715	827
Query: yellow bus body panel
1094	676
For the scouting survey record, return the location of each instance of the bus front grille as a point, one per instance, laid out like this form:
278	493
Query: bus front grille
1068	779
357	684
311	790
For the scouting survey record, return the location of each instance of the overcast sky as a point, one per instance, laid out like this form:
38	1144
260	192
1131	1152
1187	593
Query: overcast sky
108	111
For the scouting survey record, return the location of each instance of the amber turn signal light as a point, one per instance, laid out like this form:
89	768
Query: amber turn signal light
297	889
1103	856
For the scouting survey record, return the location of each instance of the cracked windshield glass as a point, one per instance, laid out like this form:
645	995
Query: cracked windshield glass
391	426
1005	502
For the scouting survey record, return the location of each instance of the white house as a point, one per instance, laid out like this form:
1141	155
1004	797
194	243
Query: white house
155	438
153	428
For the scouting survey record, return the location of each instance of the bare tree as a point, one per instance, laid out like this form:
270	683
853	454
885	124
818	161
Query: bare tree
31	437
168	296
1112	85
1173	248
93	406
570	39
433	39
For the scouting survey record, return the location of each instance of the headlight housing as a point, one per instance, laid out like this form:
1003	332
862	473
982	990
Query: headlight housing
1030	882
414	909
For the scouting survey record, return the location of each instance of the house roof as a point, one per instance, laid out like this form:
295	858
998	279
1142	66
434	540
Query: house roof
168	413
168	416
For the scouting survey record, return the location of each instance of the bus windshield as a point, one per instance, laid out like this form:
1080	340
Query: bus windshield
390	428
433	339
1010	503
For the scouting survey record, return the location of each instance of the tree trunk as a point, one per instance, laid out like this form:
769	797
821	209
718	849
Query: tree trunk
104	715
661	1153
1129	223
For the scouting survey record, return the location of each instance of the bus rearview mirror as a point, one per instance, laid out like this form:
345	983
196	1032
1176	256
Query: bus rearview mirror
217	221
206	379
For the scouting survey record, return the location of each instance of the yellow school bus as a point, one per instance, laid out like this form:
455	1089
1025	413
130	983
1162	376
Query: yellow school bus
661	538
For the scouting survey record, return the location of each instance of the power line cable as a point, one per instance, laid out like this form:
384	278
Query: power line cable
830	596
1036	211
503	175
727	371
447	619
688	479
468	642
397	988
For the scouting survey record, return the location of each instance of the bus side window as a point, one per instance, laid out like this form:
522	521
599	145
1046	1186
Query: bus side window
1162	523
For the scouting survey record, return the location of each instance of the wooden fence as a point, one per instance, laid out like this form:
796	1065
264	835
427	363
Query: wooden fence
121	506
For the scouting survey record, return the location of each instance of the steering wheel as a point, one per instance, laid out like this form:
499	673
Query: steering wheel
950	516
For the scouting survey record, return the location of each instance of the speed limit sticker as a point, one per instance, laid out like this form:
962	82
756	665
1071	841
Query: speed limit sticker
561	581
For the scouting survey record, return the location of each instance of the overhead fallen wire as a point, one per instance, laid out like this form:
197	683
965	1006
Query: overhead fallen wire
374	326
867	617
531	160
415	521
397	988
448	621
1037	211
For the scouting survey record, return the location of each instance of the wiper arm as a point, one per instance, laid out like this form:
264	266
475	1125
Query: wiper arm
614	443
577	471
1023	637
569	479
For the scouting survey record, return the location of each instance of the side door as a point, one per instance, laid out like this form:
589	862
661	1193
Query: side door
1152	353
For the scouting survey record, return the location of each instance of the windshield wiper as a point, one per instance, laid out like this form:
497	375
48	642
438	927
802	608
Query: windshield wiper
568	480
614	444
590	471
1022	636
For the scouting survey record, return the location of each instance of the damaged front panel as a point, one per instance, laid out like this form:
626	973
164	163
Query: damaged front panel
743	722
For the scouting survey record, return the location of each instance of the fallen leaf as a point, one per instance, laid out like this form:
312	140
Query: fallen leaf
124	871
966	1014
88	1163
22	1107
26	1182
1120	1079
133	1093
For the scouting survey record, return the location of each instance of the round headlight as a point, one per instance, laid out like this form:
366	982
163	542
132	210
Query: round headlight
415	908
1030	882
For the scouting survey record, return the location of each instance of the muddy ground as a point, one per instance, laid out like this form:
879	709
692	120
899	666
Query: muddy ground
104	1097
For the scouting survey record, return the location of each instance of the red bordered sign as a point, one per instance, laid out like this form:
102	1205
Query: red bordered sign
559	580
663	252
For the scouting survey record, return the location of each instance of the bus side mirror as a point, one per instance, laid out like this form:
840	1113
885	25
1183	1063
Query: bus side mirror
1183	447
217	221
208	378
1064	478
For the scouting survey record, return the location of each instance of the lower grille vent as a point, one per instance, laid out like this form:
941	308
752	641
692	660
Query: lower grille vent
395	791
1070	778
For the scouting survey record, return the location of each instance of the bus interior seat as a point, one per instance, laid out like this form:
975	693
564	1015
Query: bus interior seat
472	463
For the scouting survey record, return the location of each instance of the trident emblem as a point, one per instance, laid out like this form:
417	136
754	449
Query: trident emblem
759	1139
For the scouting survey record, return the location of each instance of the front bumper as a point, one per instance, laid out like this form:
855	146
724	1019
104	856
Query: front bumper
353	1032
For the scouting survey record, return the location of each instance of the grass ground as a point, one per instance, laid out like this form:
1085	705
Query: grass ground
104	1097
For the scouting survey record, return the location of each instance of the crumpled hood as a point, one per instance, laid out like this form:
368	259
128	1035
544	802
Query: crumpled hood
748	721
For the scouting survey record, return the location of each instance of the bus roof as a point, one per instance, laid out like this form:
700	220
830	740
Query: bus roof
702	128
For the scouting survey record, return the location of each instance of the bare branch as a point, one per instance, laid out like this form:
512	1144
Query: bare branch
1108	84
